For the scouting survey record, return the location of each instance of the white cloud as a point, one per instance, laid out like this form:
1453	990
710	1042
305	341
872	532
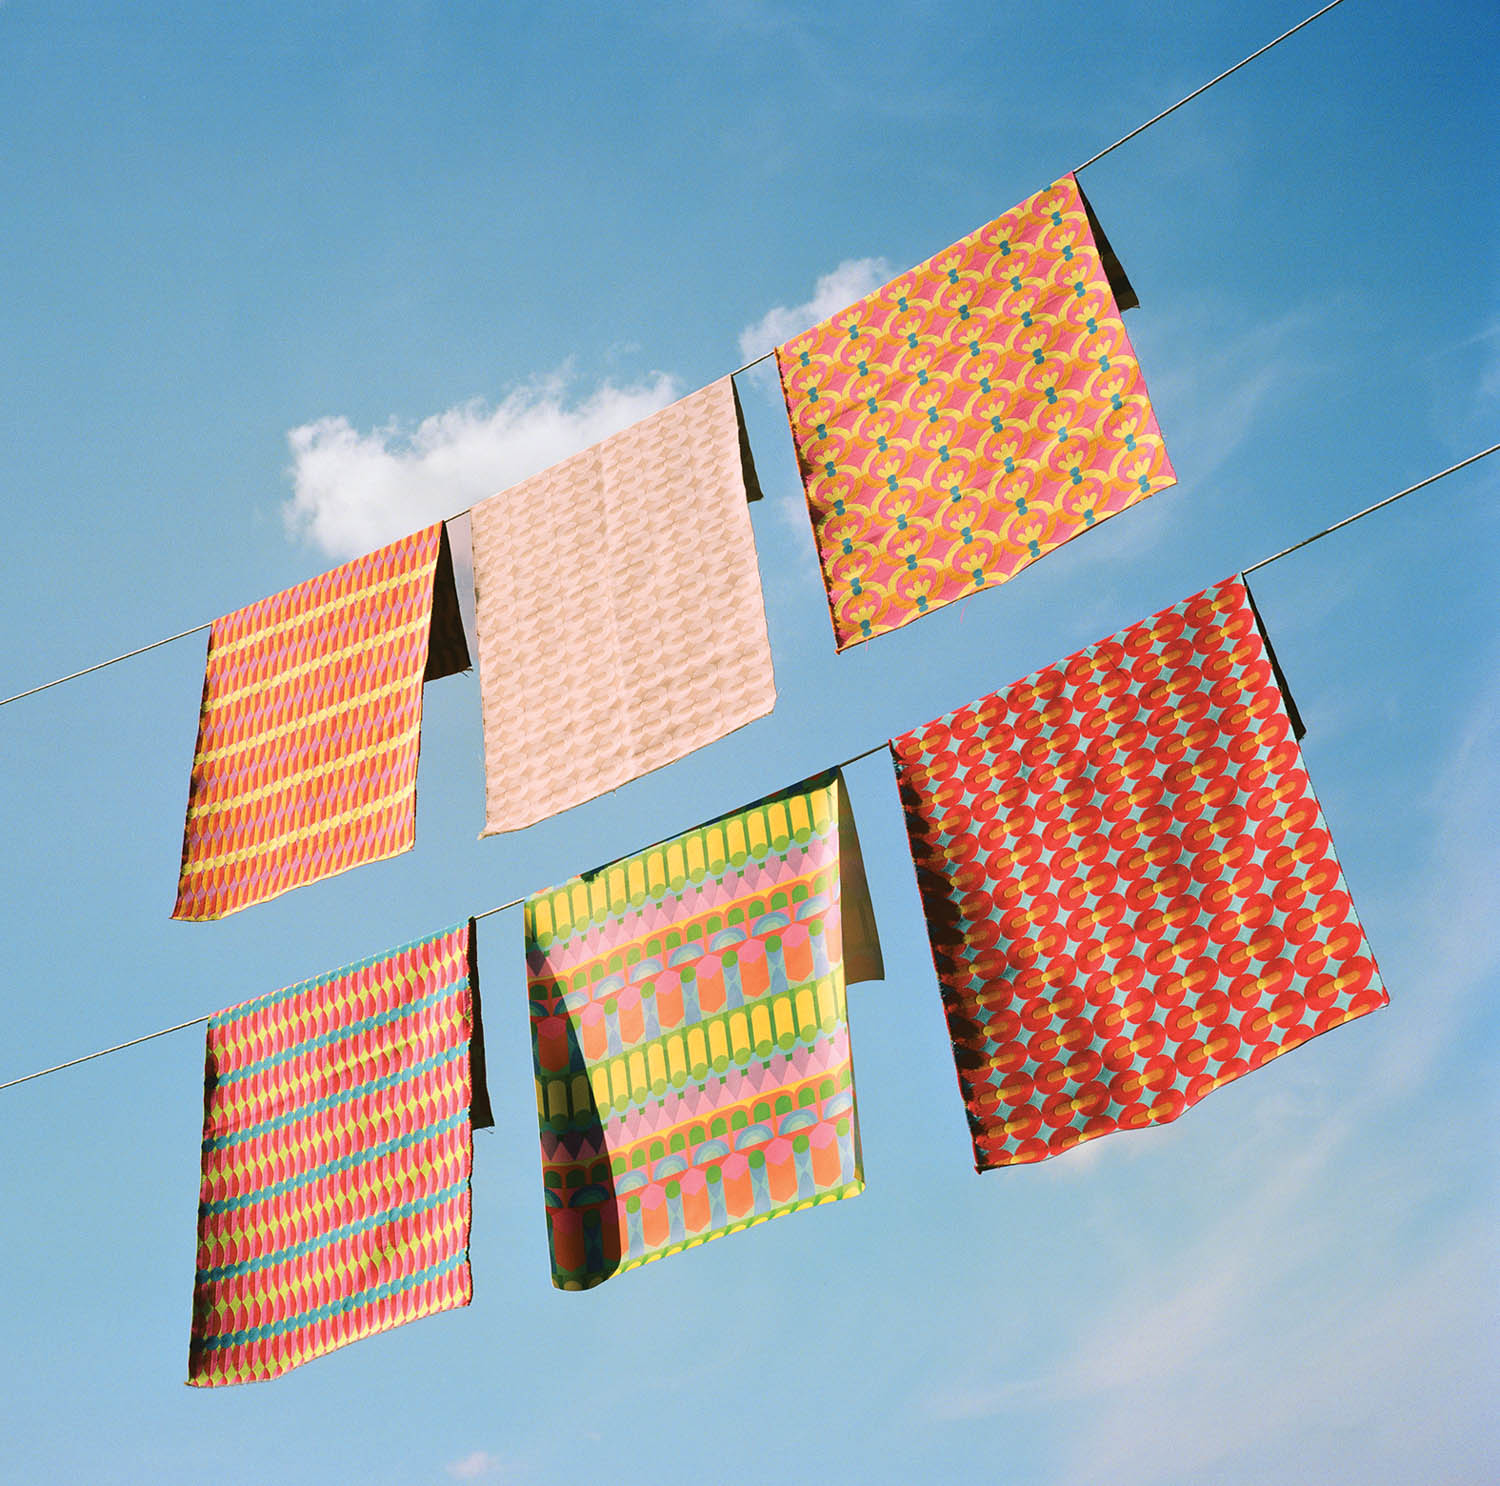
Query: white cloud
353	490
851	280
477	1465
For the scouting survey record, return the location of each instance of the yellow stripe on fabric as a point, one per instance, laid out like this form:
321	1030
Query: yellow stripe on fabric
219	699
353	595
298	724
290	781
199	865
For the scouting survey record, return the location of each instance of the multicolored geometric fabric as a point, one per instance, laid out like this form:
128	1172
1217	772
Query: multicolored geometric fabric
690	1034
311	724
618	609
337	1146
1130	889
970	416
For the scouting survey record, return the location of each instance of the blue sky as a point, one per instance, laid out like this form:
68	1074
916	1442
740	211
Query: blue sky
282	282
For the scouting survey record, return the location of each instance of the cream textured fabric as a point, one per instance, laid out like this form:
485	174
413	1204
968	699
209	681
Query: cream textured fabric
619	611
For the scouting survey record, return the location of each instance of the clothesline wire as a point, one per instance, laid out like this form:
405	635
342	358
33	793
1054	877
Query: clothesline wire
1319	535
198	629
198	1021
1206	86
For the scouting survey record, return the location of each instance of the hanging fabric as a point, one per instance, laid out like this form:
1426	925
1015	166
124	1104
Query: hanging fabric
619	611
690	1033
1129	886
971	416
337	1149
311	724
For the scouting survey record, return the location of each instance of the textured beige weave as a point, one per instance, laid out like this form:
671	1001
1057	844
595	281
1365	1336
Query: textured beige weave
619	611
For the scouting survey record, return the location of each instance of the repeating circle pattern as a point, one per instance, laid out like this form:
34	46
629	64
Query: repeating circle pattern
1130	889
969	417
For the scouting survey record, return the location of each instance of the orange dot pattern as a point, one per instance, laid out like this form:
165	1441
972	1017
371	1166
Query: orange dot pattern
969	417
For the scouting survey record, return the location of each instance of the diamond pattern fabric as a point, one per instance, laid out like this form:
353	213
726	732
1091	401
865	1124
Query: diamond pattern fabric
1130	889
337	1149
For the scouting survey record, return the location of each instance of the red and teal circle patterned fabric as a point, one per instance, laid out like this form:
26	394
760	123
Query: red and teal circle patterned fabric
1130	889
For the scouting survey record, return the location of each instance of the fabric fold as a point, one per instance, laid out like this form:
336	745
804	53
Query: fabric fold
619	612
338	1119
1130	889
310	726
690	1033
971	416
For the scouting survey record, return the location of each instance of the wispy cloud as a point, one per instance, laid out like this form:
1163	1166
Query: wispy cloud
480	1465
851	280
355	490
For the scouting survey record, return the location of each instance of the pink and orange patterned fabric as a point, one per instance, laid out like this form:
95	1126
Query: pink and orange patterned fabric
338	1121
1130	888
970	417
691	1036
311	724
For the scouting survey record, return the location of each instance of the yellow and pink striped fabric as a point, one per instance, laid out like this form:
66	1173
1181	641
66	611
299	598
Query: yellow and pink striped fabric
311	724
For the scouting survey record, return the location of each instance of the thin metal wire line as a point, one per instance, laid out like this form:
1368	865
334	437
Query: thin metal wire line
198	1021
103	1052
1319	535
1206	86
197	629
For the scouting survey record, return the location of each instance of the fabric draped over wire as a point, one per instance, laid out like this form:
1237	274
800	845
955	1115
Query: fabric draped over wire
311	725
1129	885
970	416
619	612
337	1150
690	1033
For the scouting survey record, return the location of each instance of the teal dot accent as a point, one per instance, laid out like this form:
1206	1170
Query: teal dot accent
901	519
984	384
855	586
854	332
848	547
864	625
1033	548
1062	435
1104	363
1091	325
1078	288
967	534
956	493
881	444
952	275
973	348
1052	394
963	312
1020	505
864	370
911	562
1015	283
890	481
1115	402
979	576
1076	476
1026	319
932	415
1057	219
1010	465
911	340
1005	247
872	405
838	505
1067	252
822	430
1130	442
922	377
806	359
996	425
921	603
943	453
901	304
1036	356
1088	517
812	394
830	468
1144	483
